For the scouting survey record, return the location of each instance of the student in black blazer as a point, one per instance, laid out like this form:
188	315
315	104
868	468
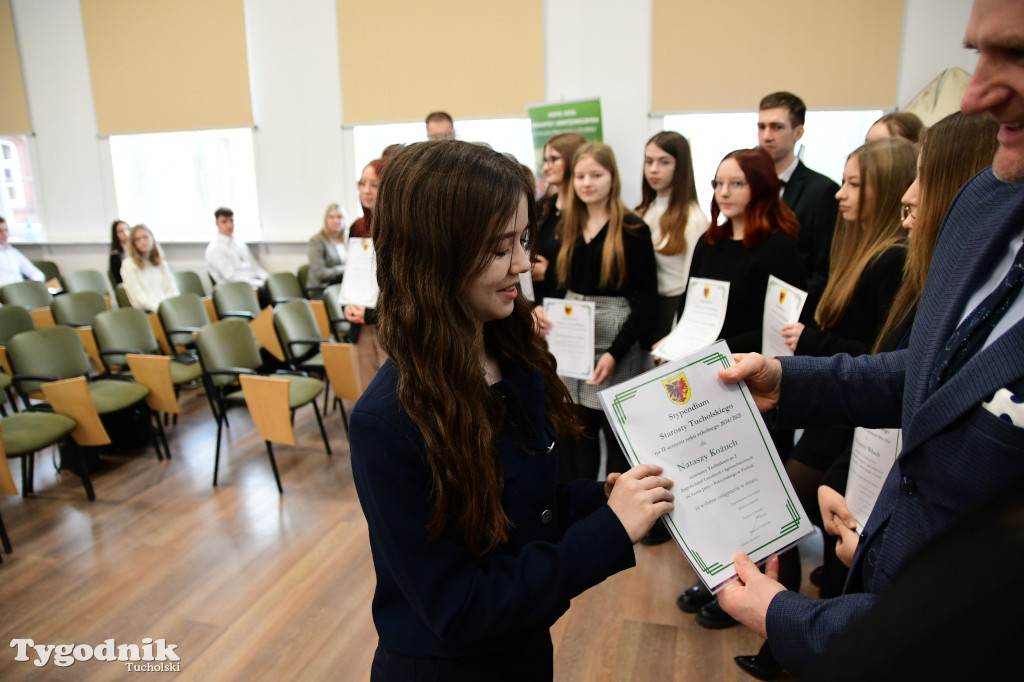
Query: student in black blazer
476	546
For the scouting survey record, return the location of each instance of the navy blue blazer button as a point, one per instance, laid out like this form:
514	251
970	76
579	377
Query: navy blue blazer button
546	516
907	485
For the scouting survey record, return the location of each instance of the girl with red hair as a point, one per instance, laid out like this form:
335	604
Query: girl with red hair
752	235
369	356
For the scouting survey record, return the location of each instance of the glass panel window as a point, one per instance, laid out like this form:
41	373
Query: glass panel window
18	200
173	182
829	136
511	135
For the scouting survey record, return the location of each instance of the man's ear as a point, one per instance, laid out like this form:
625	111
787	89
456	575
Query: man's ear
798	132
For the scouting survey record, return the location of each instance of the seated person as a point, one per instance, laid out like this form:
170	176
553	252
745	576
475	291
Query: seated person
146	278
229	260
14	267
327	251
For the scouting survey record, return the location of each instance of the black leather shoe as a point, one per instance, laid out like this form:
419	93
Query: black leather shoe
763	666
694	598
818	576
657	535
713	617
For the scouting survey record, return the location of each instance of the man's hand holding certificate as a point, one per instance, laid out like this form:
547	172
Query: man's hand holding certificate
732	493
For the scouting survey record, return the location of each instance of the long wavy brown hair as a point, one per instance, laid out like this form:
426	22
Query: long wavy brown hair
952	151
441	207
887	168
684	193
613	254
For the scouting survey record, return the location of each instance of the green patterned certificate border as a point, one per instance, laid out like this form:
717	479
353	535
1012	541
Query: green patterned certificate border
712	359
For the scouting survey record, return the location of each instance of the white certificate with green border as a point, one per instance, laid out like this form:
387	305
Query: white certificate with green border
874	452
731	491
702	320
571	337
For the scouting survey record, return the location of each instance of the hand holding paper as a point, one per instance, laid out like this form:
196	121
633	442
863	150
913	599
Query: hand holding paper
748	598
763	376
640	497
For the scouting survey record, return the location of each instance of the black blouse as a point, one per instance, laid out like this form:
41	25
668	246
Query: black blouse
747	272
548	244
640	287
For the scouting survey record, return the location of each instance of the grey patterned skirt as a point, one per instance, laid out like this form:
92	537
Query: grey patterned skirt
610	314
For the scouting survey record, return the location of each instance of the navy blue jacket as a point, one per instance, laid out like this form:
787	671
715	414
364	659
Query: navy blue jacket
956	454
434	598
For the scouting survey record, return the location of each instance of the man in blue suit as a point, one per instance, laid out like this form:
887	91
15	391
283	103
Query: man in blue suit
966	348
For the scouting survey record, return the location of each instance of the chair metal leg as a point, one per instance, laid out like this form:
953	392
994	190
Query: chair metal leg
162	434
76	454
320	423
3	537
273	465
216	457
344	415
27	474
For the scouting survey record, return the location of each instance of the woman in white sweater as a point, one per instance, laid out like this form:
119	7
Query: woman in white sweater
670	209
147	279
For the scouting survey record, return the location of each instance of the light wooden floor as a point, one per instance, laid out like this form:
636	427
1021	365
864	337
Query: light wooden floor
254	585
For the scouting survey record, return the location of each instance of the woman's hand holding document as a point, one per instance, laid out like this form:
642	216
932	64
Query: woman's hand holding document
783	304
732	493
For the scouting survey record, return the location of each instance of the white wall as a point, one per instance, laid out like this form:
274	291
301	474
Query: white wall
296	100
76	193
933	34
602	48
304	157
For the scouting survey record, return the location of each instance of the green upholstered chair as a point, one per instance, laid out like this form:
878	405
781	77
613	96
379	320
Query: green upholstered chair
335	313
86	280
77	310
49	270
28	294
127	330
24	434
300	338
228	350
182	316
14	319
55	353
235	299
284	286
121	297
189	283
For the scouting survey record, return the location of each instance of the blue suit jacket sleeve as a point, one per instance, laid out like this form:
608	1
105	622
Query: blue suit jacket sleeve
847	391
800	628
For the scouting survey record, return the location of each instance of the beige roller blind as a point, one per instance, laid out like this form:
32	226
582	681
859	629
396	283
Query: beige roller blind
402	59
13	106
162	65
711	56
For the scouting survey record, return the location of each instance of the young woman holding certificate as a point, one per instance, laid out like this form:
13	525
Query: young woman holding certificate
368	353
606	257
752	236
476	547
670	209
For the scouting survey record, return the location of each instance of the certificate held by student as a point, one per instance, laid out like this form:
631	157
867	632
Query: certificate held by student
732	492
